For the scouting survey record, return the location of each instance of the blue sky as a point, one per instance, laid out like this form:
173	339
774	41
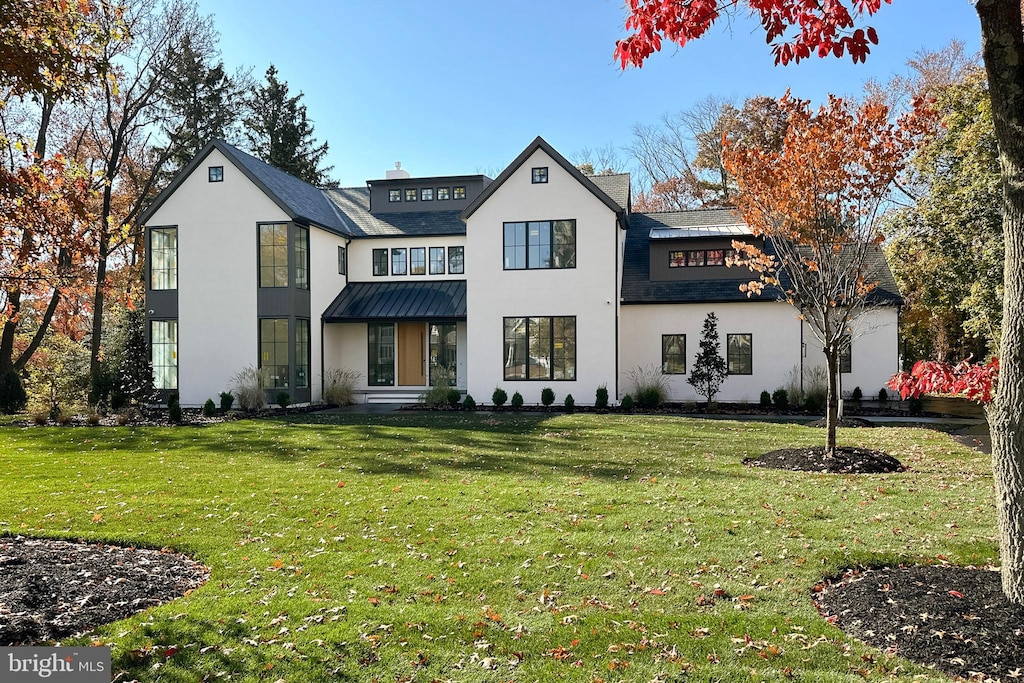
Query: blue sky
462	87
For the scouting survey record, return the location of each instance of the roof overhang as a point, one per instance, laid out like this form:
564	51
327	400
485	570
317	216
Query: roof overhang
440	300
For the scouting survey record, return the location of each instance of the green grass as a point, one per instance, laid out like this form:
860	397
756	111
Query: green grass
490	548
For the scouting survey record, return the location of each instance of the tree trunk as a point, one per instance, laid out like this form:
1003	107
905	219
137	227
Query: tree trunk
1003	51
832	403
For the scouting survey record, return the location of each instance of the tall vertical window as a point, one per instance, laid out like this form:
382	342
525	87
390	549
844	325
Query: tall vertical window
302	358
302	258
540	244
443	354
163	335
739	352
398	261
418	261
274	255
673	354
342	261
380	262
540	348
437	260
274	350
456	260
380	369
846	353
163	258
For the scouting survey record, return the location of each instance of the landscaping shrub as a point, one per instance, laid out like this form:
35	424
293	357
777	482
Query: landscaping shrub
92	419
650	385
209	408
436	396
627	403
766	399
517	401
453	397
64	419
340	386
601	398
815	394
883	395
40	418
856	395
499	397
915	405
815	399
13	398
780	399
547	396
250	386
283	399
570	403
227	399
174	407
468	403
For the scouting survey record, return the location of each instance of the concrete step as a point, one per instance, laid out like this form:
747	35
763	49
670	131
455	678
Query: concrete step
397	396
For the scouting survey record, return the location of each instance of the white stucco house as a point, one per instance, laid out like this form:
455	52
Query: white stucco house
541	277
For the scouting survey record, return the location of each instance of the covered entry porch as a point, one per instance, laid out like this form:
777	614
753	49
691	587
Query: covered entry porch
401	338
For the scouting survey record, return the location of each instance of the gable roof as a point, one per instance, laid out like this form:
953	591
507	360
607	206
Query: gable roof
541	144
353	205
302	202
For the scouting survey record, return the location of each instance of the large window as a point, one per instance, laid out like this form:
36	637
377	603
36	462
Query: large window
673	354
398	262
437	260
540	348
456	260
443	356
540	244
418	261
739	349
163	258
380	262
164	345
274	255
380	369
302	358
274	350
301	250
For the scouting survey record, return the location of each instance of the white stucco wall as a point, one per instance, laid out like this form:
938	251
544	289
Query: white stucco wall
776	336
588	292
325	283
217	245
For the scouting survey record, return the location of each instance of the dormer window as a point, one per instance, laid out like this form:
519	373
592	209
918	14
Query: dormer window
411	194
539	175
216	174
443	194
427	194
394	196
459	192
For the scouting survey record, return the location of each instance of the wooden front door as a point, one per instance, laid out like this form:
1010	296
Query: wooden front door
412	359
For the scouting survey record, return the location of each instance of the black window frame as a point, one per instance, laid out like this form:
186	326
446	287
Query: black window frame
412	194
342	260
276	268
529	368
374	367
426	194
300	257
168	280
279	382
447	194
215	174
168	349
680	258
679	356
527	248
845	354
431	261
303	355
729	353
381	262
461	268
459	192
539	175
396	251
418	250
394	196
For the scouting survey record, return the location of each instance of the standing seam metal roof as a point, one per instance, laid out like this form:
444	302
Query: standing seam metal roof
429	300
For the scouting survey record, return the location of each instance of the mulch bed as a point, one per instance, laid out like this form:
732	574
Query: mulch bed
53	589
847	460
954	619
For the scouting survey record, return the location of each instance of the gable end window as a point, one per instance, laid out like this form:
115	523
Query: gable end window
540	245
216	174
539	175
673	354
163	258
739	352
380	262
274	255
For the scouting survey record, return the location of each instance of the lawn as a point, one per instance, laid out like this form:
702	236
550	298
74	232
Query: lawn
475	547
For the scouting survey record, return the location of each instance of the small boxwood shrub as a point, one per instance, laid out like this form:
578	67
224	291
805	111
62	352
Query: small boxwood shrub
209	408
468	403
883	395
499	397
601	398
627	403
915	405
766	399
780	399
227	399
454	398
283	399
570	403
547	396
517	401
436	396
856	395
174	407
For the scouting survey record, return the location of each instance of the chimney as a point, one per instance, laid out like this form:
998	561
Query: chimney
398	174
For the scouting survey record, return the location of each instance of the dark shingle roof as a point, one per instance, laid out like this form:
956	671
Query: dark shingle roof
353	203
638	288
615	185
431	300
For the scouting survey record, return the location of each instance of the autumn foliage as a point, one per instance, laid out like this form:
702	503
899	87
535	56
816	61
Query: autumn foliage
797	29
975	381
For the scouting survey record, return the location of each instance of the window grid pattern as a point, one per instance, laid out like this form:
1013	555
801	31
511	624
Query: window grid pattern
163	258
691	258
418	261
673	354
380	262
540	348
380	369
437	260
163	336
739	352
398	265
342	261
301	250
456	260
540	245
274	255
443	354
274	350
302	357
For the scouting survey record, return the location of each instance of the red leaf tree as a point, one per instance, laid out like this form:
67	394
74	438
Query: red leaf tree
799	29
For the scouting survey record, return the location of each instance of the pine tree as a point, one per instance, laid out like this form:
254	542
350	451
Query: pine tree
280	134
709	368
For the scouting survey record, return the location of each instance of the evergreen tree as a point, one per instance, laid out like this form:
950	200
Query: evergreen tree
709	368
280	134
